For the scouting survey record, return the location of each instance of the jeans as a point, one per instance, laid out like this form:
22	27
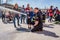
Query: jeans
23	17
50	18
37	29
14	21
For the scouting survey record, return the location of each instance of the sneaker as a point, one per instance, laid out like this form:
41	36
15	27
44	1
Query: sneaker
29	29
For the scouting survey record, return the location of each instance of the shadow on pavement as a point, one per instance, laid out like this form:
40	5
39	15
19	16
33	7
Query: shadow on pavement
22	29
7	22
10	22
45	32
48	25
48	33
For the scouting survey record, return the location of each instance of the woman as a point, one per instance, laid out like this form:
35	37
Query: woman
16	16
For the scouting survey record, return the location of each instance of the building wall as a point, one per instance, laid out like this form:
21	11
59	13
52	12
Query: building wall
1	1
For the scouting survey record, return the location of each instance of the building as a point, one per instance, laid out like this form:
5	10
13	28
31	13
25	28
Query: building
10	6
0	1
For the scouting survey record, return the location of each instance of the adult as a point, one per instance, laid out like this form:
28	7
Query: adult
27	9
57	16
23	16
38	25
43	16
50	13
16	16
3	16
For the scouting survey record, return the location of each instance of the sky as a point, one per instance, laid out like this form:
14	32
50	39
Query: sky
36	3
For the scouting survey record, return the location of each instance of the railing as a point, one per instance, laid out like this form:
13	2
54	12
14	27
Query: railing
7	9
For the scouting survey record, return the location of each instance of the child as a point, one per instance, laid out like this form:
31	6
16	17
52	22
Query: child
29	22
30	16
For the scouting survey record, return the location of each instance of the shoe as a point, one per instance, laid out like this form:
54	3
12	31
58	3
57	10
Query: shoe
41	30
19	25
29	29
15	27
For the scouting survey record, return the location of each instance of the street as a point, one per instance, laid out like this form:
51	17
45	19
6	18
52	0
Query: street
50	31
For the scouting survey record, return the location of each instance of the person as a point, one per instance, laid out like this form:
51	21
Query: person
50	14
29	18
16	16
22	9
38	24
27	9
23	16
7	16
57	11
3	16
43	16
57	16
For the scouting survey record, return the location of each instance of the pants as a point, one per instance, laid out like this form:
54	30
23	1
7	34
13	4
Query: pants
15	20
50	19
37	28
23	18
3	18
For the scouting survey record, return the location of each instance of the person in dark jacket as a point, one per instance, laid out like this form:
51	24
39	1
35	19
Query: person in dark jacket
3	16
38	26
43	16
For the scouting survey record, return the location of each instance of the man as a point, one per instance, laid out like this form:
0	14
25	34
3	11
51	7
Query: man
16	16
57	17
38	25
50	13
43	16
27	9
3	16
23	16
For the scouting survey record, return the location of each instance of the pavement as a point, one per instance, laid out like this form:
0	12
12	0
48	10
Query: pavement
50	31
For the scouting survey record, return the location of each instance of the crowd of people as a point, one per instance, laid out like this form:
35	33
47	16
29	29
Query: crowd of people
35	17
